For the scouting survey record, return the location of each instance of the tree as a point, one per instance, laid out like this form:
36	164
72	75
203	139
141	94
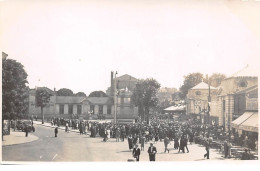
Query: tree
42	98
97	94
15	92
190	81
80	94
145	97
216	79
64	92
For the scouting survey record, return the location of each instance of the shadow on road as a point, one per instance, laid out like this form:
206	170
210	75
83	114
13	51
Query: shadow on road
125	151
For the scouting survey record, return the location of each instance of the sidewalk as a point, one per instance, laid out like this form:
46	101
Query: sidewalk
47	124
18	137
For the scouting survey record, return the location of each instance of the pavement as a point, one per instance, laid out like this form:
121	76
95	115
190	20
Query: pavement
18	137
74	147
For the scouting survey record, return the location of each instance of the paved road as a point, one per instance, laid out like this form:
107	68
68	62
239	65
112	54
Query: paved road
74	147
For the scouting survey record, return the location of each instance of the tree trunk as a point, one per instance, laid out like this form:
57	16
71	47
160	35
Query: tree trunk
147	114
42	115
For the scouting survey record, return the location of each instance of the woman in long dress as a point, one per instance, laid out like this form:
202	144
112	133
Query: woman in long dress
130	142
176	142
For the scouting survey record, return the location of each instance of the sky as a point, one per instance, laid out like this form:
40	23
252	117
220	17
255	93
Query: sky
76	44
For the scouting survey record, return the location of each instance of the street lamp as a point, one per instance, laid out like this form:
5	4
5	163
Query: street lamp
115	98
209	100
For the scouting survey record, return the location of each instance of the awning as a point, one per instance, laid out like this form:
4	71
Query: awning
251	124
241	119
175	108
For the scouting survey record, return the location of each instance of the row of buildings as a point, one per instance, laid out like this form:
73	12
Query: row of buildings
233	105
90	107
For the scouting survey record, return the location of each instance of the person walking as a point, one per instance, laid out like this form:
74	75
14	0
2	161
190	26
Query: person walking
142	142
166	142
26	131
56	132
226	149
136	152
117	134
207	149
152	152
66	127
108	134
191	138
181	148
130	142
176	142
185	143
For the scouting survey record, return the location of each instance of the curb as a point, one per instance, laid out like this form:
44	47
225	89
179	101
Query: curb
37	138
62	128
20	143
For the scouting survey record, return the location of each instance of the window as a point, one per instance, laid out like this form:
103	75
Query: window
100	109
70	109
92	109
61	109
198	93
127	100
79	109
122	100
243	84
109	110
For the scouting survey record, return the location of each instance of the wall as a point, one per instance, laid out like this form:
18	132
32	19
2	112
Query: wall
196	102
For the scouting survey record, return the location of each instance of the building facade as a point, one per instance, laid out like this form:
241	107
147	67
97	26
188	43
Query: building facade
86	107
197	103
125	86
72	106
231	103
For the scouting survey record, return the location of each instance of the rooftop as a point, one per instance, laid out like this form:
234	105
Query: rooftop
69	99
99	100
203	85
127	77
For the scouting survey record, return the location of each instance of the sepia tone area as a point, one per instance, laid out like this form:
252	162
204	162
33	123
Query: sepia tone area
96	81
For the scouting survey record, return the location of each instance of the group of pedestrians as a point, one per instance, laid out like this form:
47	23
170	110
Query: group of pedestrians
140	133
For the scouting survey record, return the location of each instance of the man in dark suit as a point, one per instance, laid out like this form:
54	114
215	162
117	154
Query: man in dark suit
26	131
136	153
152	151
185	143
56	131
207	149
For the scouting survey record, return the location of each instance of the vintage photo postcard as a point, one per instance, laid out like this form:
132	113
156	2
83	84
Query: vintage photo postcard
129	81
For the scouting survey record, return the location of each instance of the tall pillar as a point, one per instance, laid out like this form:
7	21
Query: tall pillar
96	109
74	109
66	109
105	109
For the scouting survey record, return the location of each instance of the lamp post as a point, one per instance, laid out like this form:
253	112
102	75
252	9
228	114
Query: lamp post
209	101
115	99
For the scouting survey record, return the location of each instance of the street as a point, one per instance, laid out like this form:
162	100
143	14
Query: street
75	147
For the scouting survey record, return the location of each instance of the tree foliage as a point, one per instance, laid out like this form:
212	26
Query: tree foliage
97	94
190	81
145	97
216	79
80	94
64	92
42	98
15	92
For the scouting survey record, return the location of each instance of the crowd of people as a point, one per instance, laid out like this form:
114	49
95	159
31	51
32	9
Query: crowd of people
180	133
